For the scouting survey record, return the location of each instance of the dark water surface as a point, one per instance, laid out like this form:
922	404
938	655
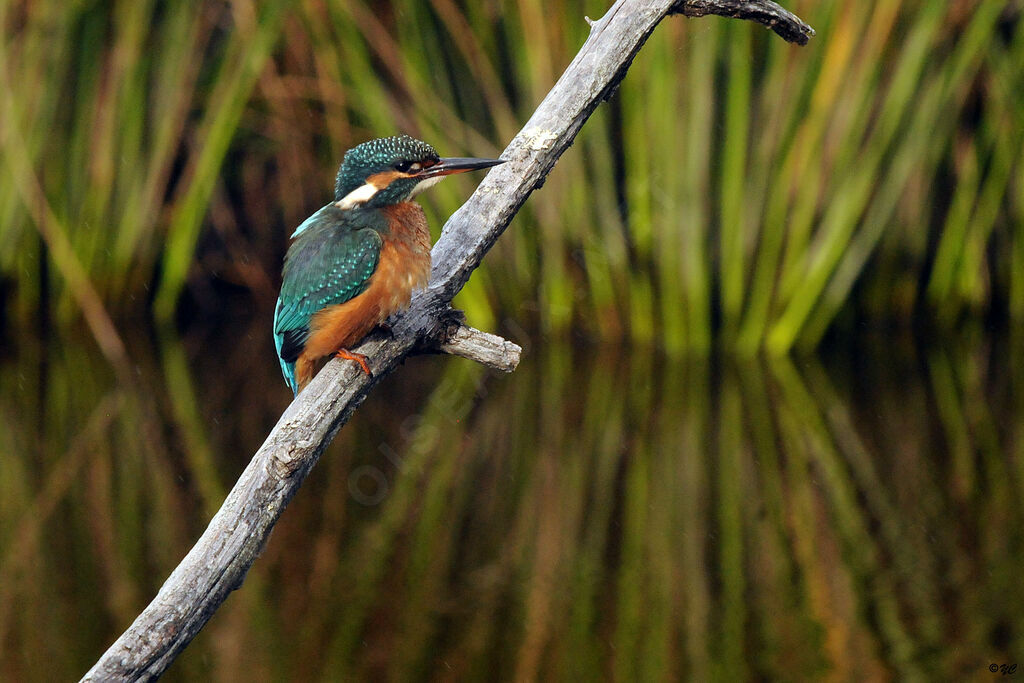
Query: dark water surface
603	513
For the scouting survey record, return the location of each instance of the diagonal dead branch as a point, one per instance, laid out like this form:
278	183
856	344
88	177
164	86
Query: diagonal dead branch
217	564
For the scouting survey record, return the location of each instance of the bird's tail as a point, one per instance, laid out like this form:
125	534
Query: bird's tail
288	370
287	367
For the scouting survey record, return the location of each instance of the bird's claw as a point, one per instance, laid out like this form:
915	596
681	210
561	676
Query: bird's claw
357	357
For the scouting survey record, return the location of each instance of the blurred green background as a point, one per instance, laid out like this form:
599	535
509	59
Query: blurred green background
768	424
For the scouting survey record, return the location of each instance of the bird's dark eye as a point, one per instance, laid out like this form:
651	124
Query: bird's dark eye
403	166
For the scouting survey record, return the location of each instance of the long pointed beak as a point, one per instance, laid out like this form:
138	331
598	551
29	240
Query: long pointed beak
452	165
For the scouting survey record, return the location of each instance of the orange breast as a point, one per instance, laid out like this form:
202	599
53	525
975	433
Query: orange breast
404	265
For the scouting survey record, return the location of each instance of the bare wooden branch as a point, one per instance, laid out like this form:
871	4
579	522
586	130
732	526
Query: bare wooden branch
217	564
482	347
788	25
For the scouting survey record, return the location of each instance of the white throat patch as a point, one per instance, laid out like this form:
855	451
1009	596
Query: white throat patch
360	195
425	184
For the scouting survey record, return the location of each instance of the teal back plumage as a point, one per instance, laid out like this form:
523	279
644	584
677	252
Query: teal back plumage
331	261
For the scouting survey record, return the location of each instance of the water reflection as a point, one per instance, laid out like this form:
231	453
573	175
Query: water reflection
602	513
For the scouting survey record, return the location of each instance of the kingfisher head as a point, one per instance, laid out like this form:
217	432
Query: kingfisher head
391	170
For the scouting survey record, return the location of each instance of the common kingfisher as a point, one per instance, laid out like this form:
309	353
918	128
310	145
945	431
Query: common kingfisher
357	260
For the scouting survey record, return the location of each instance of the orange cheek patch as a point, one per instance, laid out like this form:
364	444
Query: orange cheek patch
385	178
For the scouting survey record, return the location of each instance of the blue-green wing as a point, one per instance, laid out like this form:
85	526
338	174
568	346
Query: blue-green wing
327	264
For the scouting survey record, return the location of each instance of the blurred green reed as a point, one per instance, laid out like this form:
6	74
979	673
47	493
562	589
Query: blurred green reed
730	520
738	188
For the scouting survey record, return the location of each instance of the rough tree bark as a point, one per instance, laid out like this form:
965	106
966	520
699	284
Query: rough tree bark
218	562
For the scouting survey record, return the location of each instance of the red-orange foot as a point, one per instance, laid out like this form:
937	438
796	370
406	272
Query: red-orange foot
357	357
